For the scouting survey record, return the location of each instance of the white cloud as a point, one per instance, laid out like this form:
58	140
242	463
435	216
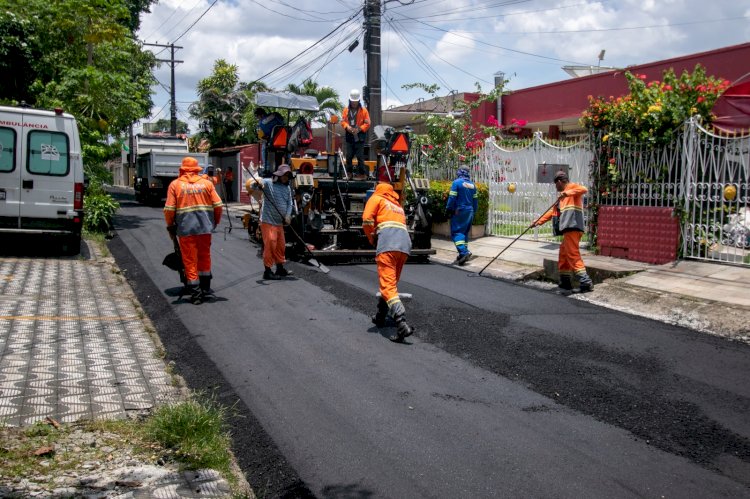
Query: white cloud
463	32
453	47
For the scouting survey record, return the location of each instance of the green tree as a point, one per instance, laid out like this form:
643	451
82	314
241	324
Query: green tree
454	137
221	106
165	125
80	55
327	97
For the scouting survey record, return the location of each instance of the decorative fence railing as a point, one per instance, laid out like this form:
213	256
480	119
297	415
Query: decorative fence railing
520	182
703	177
716	180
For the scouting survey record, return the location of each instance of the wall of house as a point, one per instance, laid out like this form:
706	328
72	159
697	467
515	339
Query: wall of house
569	98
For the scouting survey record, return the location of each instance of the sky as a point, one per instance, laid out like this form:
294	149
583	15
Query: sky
454	44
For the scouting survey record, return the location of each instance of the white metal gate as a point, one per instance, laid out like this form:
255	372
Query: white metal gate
716	175
517	197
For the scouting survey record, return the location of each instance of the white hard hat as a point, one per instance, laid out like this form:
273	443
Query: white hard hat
354	95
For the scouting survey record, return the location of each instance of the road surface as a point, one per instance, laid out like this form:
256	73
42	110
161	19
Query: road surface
503	391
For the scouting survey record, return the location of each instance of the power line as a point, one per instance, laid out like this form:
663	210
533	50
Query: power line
417	57
329	34
453	65
196	21
492	45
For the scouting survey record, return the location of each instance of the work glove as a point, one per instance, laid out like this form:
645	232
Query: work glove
172	230
287	220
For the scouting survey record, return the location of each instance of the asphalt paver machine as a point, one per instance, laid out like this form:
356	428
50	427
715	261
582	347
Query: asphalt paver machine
330	201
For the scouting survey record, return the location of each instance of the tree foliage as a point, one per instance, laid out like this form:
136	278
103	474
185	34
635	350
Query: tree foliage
327	97
652	112
79	55
221	106
454	137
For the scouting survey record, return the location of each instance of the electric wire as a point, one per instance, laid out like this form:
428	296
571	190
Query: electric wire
493	45
196	21
418	58
450	63
326	36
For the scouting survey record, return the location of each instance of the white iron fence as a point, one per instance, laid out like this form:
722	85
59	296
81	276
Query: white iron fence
704	177
520	182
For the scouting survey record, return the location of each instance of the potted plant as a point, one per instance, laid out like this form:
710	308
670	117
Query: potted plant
438	196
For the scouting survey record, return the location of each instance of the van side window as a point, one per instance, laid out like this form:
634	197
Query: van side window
48	153
7	149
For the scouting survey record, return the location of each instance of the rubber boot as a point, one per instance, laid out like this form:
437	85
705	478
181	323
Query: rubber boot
402	329
379	318
268	275
566	284
205	285
586	283
461	260
282	272
196	294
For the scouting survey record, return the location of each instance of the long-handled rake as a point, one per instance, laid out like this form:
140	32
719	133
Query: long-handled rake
226	207
311	257
478	274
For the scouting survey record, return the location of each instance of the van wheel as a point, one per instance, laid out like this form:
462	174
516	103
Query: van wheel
71	245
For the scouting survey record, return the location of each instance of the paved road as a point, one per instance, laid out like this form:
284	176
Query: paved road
503	391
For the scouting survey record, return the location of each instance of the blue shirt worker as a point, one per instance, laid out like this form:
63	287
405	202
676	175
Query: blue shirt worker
462	204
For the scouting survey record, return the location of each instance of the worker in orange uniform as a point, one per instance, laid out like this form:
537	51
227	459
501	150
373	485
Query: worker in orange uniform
569	209
356	122
384	224
192	211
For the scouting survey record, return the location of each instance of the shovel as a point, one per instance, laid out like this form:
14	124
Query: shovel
174	261
310	258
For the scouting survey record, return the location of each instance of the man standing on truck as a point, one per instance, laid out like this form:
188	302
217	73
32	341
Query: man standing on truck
192	211
384	224
356	122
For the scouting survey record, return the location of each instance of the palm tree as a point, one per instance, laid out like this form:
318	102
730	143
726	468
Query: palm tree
328	98
220	106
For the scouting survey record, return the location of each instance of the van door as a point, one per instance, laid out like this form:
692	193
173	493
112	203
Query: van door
10	178
47	183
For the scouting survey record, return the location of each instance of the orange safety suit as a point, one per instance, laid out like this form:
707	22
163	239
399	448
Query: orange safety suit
362	119
195	208
384	224
569	209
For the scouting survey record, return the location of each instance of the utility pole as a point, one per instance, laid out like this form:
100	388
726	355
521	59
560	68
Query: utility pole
372	93
172	63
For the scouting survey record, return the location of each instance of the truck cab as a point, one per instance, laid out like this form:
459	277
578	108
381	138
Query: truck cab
41	175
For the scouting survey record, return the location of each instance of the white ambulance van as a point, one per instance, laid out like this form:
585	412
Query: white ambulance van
41	176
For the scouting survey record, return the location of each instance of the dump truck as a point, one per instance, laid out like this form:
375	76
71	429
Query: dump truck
157	163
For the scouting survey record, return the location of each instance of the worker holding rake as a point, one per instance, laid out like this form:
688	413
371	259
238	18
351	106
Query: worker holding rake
569	212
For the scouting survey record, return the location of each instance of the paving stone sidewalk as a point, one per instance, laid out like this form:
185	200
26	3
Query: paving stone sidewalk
75	345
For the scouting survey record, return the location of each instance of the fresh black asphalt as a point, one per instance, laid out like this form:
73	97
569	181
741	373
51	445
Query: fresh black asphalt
503	391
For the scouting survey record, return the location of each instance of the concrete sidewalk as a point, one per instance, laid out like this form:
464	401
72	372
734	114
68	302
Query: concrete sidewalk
706	296
527	259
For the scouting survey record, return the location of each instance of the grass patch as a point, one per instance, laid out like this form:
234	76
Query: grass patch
190	434
195	430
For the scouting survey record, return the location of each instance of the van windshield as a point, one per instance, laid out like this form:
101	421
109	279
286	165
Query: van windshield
48	153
